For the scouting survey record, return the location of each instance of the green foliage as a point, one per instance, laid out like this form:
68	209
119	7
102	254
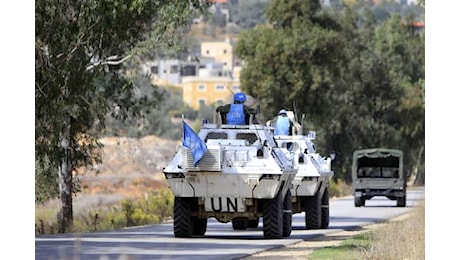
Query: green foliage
351	74
85	56
81	47
349	249
153	120
154	208
46	183
386	64
306	50
207	112
247	14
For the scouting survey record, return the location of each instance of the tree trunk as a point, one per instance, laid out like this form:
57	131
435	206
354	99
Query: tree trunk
419	176
65	215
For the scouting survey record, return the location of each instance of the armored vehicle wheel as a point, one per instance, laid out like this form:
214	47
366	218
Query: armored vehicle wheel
253	223
401	201
183	225
273	217
358	201
325	209
287	215
240	223
313	212
199	226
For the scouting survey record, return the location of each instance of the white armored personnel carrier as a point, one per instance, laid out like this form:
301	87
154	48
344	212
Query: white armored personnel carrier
310	189
242	176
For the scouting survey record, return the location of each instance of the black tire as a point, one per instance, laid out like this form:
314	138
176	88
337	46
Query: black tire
199	226
183	224
240	223
358	201
273	217
313	212
253	223
401	201
325	209
287	214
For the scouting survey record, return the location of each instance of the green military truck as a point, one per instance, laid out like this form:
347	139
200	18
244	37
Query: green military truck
378	172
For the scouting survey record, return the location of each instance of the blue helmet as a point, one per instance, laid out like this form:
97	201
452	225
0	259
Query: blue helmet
282	111
240	97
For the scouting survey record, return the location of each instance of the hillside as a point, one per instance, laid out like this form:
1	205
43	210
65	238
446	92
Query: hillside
131	167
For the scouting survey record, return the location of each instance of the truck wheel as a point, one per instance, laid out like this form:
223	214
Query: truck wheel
253	223
358	201
325	209
240	223
183	225
199	226
287	215
401	201
313	212
273	217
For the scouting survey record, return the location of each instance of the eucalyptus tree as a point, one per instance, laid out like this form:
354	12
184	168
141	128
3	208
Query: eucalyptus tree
404	51
81	51
295	62
357	80
381	100
293	59
247	14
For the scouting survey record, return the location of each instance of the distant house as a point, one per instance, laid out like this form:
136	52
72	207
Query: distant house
212	78
207	90
221	51
170	72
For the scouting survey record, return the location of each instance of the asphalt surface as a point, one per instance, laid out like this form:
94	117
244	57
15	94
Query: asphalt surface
220	240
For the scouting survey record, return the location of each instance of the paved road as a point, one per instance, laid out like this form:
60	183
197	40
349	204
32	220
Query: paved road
220	241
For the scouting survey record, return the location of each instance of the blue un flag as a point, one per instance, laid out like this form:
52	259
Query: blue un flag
193	142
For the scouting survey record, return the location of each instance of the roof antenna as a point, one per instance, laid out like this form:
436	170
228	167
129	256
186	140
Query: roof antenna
295	111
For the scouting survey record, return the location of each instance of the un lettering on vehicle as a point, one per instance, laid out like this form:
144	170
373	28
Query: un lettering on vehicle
224	204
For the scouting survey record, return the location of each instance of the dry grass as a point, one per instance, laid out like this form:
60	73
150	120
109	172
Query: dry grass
339	188
400	239
131	169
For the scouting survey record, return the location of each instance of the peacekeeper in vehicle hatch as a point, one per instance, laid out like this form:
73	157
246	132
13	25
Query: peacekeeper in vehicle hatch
237	113
283	124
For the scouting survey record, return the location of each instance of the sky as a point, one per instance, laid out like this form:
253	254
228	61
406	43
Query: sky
442	127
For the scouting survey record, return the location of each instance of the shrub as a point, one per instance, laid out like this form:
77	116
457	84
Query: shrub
338	188
155	207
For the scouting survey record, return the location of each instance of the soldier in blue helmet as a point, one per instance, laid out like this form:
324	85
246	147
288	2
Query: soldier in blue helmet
283	124
237	113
